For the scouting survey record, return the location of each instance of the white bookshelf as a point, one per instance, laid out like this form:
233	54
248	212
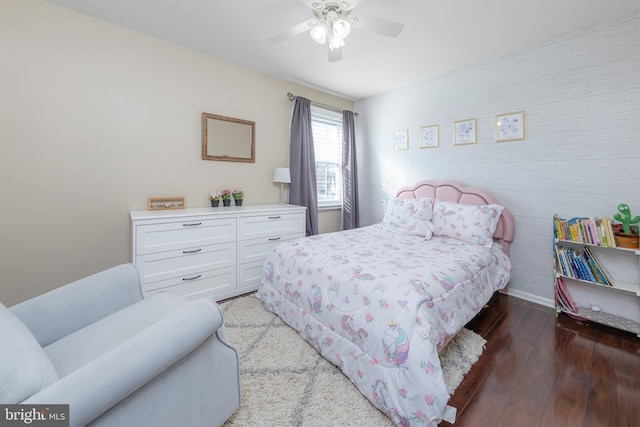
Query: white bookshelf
617	305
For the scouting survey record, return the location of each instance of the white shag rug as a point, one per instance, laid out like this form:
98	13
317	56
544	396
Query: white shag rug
285	382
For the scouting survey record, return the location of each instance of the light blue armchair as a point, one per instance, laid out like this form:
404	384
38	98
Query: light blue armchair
118	359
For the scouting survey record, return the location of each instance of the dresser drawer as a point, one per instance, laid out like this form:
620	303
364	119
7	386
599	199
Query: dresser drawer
249	276
201	285
253	227
153	238
258	249
178	263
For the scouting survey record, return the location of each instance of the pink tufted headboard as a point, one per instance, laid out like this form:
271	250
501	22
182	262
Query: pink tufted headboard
452	191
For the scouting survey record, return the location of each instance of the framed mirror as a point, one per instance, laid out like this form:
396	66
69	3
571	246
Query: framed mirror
228	139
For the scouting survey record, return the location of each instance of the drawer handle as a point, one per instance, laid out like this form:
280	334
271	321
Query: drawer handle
274	238
275	217
193	224
192	251
192	278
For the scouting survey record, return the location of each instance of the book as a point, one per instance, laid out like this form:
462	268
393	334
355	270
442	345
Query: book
611	236
586	268
575	230
562	262
601	271
564	297
584	273
586	230
577	270
582	265
559	228
602	234
593	232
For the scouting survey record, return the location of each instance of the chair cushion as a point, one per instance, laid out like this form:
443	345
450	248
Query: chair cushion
87	344
25	368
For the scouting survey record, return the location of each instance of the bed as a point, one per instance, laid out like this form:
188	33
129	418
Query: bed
380	301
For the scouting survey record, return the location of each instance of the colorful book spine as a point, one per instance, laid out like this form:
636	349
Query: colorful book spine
600	270
582	265
591	231
563	298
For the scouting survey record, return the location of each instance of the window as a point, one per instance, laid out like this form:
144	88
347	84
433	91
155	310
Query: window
326	126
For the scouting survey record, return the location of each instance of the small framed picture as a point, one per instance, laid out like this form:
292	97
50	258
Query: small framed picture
158	203
464	132
510	126
401	140
429	136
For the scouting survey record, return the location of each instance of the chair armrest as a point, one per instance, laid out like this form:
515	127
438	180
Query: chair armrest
101	384
58	313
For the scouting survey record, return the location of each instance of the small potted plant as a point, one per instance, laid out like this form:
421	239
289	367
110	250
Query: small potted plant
628	238
215	196
237	196
225	195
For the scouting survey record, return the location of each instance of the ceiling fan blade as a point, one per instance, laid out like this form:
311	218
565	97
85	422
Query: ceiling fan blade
293	31
335	54
375	25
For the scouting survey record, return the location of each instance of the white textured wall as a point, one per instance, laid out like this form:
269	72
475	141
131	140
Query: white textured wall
95	118
581	97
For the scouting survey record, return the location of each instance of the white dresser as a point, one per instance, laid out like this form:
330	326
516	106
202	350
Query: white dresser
209	252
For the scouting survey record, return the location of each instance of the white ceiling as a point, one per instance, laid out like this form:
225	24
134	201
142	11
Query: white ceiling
439	35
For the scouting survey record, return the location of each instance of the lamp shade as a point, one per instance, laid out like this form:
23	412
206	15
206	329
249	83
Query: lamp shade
319	32
341	28
282	176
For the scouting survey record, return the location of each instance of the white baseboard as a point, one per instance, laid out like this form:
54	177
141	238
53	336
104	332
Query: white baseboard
537	299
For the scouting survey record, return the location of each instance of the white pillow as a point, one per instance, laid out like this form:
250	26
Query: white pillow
411	215
25	368
470	223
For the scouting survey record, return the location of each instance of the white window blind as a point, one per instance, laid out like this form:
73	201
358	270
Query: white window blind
326	126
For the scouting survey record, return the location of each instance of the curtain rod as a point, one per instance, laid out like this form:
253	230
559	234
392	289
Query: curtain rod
319	104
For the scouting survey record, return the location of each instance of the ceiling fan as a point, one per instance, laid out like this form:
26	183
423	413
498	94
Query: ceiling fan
333	22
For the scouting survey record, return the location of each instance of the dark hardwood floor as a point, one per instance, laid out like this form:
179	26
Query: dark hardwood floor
539	370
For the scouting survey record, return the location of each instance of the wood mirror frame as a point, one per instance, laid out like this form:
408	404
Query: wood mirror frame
227	139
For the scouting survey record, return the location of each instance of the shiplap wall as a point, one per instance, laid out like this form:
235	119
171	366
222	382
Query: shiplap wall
581	98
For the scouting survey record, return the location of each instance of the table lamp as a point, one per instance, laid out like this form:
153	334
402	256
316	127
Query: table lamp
282	176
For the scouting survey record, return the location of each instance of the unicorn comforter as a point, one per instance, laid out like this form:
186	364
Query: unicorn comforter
378	304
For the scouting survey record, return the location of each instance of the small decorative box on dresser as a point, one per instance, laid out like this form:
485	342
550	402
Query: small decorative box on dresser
209	252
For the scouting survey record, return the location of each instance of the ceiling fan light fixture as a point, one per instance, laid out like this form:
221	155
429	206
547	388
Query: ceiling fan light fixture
335	43
341	28
319	32
333	23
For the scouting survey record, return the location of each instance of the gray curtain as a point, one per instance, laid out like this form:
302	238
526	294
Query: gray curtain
302	163
350	209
